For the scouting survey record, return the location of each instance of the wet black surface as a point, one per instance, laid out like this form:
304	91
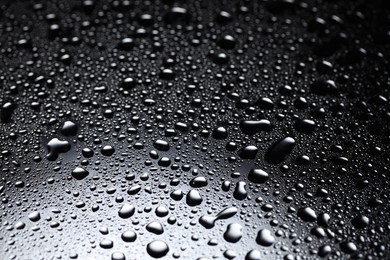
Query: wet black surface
194	129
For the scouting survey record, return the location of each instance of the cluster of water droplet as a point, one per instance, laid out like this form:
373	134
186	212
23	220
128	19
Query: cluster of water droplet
197	130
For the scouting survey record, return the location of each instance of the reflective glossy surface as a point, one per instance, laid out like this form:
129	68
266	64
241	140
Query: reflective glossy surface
194	129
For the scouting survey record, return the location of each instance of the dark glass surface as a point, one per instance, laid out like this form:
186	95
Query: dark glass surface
194	129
